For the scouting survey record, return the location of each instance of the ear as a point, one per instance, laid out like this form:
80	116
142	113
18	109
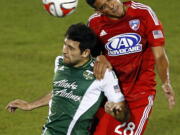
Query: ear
86	53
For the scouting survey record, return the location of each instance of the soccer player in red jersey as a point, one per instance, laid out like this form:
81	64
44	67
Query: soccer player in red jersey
133	41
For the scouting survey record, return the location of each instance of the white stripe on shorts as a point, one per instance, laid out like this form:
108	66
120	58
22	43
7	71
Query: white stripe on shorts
145	115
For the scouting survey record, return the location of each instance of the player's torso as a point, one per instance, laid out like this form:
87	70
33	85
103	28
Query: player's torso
70	111
123	39
126	47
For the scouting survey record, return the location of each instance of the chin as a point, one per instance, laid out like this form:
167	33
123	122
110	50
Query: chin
66	62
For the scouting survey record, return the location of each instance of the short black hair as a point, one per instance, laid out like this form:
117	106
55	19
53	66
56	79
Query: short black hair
91	3
83	34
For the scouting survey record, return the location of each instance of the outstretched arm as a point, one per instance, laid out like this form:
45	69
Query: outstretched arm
162	65
27	106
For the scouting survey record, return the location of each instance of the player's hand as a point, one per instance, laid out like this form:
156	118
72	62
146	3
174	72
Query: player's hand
109	107
117	110
18	104
169	93
100	66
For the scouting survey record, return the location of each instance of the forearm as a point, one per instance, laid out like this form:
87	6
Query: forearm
40	102
162	65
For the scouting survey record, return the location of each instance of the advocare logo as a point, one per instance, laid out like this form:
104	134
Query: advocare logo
124	44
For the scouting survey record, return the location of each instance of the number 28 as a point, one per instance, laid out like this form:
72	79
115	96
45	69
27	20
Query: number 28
130	127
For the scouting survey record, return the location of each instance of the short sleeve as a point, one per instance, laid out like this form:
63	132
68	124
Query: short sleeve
155	34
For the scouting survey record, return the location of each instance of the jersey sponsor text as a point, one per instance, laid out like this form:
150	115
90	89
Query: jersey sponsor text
124	44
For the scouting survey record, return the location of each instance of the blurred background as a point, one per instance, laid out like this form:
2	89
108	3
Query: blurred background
30	39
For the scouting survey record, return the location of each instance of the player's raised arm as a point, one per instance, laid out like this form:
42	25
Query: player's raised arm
162	65
28	106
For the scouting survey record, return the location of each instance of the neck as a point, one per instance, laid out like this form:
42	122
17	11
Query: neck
82	62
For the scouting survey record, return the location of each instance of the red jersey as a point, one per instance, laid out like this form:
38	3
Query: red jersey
127	45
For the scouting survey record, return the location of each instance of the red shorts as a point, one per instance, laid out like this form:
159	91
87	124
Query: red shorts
140	111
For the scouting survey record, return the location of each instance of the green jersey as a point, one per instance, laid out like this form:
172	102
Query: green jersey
76	97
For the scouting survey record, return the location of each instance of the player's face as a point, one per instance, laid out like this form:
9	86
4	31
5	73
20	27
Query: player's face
72	53
111	8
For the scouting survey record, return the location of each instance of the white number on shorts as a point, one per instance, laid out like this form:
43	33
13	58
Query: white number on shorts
130	127
118	127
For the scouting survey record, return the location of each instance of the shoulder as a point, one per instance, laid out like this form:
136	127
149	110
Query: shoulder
94	18
90	65
58	60
139	9
136	6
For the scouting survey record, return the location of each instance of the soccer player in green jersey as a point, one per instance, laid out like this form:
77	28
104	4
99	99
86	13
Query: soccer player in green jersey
76	94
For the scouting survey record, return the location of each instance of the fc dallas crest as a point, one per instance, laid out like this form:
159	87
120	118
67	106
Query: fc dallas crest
134	24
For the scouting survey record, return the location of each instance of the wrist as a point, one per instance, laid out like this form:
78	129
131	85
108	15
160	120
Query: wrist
166	83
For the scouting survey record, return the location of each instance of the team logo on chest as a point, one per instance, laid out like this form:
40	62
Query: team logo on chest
134	24
124	44
88	75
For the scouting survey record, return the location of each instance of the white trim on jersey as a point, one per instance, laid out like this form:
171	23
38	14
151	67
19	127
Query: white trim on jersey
57	62
93	16
136	5
50	104
93	93
44	131
145	115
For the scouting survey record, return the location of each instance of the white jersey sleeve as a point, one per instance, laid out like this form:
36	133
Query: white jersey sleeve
110	87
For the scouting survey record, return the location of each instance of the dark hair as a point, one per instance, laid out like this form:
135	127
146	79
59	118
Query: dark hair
91	2
83	34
